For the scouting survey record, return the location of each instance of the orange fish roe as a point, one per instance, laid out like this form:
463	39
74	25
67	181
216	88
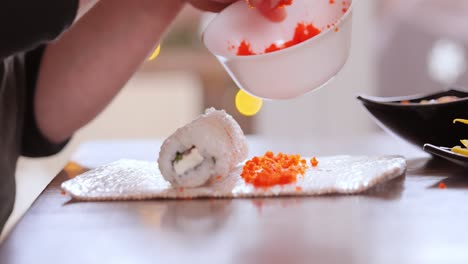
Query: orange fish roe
270	170
345	6
245	49
302	33
219	177
283	3
314	162
298	189
280	4
442	185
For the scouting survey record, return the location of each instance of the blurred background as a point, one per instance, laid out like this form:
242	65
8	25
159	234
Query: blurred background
399	47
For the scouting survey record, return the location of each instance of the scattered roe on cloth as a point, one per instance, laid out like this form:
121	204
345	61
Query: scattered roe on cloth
442	185
314	162
270	169
346	5
302	33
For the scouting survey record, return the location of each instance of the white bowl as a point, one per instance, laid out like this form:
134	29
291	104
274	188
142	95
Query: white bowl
287	73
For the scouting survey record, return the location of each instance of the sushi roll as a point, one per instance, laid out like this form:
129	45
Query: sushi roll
210	146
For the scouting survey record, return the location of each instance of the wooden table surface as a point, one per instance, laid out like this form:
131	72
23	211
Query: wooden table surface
408	220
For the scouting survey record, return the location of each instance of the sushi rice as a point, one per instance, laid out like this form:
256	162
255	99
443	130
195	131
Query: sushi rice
210	146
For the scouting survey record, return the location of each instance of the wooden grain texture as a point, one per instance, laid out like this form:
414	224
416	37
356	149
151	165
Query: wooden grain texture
408	220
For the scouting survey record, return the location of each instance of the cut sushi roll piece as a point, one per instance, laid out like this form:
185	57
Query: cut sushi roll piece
210	146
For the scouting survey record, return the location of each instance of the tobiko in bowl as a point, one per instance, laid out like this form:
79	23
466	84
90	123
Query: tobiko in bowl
282	60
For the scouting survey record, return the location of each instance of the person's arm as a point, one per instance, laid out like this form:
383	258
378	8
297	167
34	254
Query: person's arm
87	66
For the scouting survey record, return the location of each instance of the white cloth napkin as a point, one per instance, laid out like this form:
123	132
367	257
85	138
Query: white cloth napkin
139	180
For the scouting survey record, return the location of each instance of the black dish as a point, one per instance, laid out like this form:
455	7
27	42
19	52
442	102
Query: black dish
421	123
447	154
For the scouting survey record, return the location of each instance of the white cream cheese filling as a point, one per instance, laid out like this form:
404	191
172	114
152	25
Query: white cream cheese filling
188	161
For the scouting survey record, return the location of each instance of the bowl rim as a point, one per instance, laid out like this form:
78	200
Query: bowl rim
395	101
278	52
445	152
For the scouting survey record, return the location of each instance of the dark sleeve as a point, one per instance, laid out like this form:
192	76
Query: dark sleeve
25	24
34	143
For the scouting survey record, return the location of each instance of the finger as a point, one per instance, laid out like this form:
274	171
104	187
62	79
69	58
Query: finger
275	15
269	9
268	4
210	6
226	1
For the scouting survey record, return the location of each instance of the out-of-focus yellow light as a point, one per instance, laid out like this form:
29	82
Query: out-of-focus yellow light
155	53
247	104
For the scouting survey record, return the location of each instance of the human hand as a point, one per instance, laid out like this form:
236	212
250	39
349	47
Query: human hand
269	8
211	5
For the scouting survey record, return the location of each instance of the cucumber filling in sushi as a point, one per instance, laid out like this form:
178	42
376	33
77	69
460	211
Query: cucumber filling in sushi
188	160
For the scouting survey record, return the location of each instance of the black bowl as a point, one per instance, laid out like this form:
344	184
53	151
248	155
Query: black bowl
447	153
421	123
